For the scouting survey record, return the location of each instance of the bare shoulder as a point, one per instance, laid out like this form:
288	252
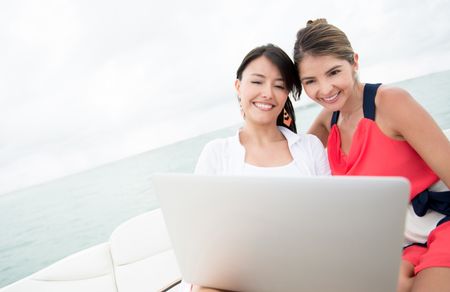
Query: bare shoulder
399	115
395	104
324	119
388	96
325	115
321	126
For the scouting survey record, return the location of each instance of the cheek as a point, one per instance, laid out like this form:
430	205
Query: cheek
243	95
283	97
246	92
309	90
345	79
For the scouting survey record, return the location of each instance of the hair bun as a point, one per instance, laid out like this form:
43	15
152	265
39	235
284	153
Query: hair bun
317	21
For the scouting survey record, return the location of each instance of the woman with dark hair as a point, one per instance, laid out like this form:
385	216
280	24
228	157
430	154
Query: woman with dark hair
267	144
377	130
284	64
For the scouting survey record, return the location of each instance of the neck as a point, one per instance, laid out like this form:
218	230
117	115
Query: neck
260	134
354	102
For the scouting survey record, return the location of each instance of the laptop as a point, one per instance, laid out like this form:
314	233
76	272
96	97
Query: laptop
285	233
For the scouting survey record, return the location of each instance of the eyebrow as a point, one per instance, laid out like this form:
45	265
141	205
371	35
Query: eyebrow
262	76
328	71
333	68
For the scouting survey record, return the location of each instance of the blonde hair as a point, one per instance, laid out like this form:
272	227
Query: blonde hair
319	38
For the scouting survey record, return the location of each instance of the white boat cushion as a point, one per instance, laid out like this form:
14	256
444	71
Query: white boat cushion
86	264
150	274
88	270
98	284
139	238
142	254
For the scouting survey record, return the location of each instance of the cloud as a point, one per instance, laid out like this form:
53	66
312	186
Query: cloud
87	82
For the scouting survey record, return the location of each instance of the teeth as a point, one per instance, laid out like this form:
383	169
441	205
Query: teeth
331	97
263	106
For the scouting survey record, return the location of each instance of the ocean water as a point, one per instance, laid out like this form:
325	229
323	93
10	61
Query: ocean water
42	224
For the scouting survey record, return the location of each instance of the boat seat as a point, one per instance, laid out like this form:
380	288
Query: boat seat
88	270
138	257
142	254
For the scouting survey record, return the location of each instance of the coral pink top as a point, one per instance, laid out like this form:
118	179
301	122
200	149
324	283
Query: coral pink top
374	153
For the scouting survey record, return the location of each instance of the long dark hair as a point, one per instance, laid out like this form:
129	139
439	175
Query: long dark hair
288	72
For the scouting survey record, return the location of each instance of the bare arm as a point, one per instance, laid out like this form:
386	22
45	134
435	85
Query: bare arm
321	126
196	288
402	117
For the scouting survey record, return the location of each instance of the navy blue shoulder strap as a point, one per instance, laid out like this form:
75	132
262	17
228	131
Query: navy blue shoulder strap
334	118
370	90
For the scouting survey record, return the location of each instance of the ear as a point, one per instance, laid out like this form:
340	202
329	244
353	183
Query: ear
237	86
356	61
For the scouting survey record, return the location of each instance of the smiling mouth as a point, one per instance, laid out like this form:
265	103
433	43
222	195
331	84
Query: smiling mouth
263	106
331	99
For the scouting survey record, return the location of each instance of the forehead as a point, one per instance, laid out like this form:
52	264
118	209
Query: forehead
320	63
262	66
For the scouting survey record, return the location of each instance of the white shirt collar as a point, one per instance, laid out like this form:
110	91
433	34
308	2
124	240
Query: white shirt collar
290	136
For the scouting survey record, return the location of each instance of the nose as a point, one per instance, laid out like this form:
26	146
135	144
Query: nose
325	89
267	91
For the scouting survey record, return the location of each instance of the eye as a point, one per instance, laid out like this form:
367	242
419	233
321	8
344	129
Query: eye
307	82
334	72
256	82
280	87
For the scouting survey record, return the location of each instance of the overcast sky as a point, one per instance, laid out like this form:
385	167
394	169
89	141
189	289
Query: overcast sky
87	82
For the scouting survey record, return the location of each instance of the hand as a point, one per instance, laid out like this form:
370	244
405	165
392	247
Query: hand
405	277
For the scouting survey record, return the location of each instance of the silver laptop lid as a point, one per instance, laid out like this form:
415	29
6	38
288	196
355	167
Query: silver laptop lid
286	234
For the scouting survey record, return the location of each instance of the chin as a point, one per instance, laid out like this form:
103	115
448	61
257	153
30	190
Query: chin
335	106
332	107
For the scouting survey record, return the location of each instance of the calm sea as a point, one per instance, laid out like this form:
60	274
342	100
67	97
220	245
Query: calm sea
44	223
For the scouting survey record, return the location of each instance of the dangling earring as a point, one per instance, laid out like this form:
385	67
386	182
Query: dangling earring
355	75
242	111
287	120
